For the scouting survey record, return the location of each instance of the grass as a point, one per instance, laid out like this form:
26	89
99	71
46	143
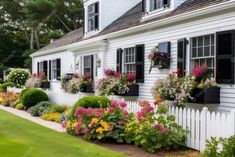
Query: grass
22	138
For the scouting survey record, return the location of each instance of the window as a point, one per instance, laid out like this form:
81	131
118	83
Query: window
202	51
129	60
41	67
158	4
54	69
93	17
88	65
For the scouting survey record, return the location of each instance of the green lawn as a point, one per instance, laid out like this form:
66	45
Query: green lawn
22	138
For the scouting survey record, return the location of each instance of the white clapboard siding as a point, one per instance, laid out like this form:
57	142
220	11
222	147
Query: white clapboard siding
201	125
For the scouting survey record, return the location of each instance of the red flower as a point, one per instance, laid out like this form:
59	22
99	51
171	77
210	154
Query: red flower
131	77
109	72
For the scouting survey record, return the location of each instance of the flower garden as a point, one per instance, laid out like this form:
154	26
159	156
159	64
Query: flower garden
98	118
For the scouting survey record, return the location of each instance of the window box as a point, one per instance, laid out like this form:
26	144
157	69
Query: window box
133	91
45	85
88	89
210	95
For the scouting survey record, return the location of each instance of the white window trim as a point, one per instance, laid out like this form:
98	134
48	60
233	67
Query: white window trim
53	70
124	59
81	65
190	59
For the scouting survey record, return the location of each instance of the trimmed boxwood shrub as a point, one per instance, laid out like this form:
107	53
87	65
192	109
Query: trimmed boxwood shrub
32	97
24	91
92	102
3	87
56	109
41	107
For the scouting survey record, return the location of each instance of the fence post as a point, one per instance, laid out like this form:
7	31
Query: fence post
203	128
233	122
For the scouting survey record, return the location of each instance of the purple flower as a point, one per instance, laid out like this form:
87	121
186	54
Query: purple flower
86	131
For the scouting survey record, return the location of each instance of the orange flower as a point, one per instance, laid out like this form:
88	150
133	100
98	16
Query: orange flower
143	103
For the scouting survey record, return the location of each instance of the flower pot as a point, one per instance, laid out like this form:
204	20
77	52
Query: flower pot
208	95
88	89
133	91
45	85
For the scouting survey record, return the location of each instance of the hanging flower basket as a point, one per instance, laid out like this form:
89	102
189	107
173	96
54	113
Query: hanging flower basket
160	60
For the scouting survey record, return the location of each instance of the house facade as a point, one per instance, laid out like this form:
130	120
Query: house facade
120	35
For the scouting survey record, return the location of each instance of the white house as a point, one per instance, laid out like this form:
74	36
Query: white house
195	32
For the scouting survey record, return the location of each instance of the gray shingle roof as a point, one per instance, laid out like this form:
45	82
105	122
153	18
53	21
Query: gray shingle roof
67	39
130	19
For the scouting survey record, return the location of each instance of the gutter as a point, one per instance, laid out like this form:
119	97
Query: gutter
154	24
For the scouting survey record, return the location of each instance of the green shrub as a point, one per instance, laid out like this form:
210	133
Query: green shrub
18	76
56	109
221	147
32	97
41	107
92	102
20	107
24	91
3	87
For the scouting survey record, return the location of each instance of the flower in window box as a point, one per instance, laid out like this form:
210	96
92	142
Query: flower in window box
109	72
202	73
131	77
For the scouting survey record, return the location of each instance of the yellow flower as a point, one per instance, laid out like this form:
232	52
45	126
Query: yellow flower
94	120
1	99
100	130
105	125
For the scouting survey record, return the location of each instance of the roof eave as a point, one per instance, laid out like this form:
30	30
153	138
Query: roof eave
176	18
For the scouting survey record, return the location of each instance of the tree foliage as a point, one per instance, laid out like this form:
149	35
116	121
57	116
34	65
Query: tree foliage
28	25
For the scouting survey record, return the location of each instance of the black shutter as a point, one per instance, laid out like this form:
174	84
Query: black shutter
97	16
49	69
45	67
92	67
58	68
181	56
140	49
225	50
166	3
119	60
38	64
143	6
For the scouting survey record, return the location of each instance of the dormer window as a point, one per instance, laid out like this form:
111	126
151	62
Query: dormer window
93	17
158	4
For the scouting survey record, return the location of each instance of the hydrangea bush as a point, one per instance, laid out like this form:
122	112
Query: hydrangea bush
18	76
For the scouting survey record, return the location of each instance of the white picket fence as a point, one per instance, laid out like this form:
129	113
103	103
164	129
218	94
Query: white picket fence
201	125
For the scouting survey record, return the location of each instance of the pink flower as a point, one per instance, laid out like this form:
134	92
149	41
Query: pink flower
158	126
123	104
121	123
131	77
93	124
109	72
149	108
86	131
140	115
164	131
115	103
110	109
79	111
117	74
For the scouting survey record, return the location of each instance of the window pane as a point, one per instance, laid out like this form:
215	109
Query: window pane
194	52
207	40
212	50
194	42
207	51
200	41
200	52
